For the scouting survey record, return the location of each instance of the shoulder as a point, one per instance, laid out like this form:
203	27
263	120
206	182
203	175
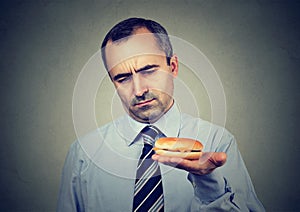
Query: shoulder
85	147
91	141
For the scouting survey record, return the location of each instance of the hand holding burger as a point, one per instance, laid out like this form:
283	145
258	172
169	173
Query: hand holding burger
187	154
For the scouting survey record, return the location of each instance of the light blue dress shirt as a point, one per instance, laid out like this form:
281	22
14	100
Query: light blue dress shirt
99	171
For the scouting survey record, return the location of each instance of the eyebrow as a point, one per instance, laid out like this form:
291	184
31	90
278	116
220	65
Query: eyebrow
147	67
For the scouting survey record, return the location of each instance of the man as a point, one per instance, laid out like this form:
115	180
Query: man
101	172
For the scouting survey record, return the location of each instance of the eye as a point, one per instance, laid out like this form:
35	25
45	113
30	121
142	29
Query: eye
148	71
123	79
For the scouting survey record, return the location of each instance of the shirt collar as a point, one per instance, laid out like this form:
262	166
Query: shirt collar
169	124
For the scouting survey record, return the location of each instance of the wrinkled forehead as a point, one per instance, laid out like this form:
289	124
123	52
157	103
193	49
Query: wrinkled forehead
135	45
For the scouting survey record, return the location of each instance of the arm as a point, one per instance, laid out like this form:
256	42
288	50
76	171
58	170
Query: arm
219	185
212	193
70	198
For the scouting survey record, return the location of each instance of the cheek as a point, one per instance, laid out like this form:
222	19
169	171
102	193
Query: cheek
163	83
124	95
165	88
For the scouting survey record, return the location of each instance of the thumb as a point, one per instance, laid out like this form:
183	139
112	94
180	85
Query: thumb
218	158
215	158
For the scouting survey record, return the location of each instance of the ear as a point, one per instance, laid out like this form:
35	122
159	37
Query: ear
174	65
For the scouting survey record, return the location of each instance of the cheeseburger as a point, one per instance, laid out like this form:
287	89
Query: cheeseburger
178	147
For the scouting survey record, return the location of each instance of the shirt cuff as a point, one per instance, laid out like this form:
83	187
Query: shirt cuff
208	187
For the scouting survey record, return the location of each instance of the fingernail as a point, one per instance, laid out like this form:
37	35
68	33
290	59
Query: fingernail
154	157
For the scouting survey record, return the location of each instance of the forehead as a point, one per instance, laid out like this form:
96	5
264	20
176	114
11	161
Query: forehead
134	46
136	63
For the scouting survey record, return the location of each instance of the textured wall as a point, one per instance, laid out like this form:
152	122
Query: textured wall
254	46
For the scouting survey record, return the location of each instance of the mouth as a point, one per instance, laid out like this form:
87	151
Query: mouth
144	103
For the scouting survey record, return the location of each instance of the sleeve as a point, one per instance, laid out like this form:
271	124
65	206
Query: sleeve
69	198
228	188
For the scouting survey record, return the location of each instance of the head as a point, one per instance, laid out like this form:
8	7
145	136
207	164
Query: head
139	58
127	27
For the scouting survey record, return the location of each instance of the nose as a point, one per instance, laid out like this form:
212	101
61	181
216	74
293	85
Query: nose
139	86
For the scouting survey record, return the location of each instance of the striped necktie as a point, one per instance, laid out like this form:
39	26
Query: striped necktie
148	192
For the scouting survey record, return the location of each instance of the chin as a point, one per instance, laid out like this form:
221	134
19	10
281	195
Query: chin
149	117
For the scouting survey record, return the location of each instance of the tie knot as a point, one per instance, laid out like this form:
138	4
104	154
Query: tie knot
150	134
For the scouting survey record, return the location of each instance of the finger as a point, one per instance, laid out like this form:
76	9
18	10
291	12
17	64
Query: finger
205	157
215	158
218	158
181	163
171	161
188	165
206	164
193	166
155	157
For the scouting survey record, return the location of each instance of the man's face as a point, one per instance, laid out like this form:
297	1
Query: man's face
144	81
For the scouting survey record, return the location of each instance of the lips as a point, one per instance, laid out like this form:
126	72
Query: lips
143	103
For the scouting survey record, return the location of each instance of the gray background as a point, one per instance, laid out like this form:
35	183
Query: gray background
254	46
